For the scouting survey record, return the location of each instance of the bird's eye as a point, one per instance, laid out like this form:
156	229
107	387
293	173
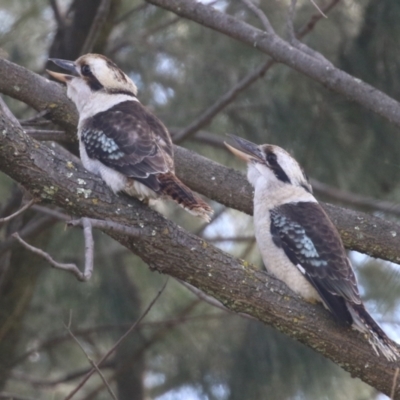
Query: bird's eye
85	70
272	159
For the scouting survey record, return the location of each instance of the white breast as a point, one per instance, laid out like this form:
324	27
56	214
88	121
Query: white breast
275	259
100	101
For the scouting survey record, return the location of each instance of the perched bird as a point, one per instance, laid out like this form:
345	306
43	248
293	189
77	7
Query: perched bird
298	242
119	139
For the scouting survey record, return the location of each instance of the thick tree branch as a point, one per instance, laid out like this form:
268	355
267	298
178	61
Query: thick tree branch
364	233
169	249
34	90
281	51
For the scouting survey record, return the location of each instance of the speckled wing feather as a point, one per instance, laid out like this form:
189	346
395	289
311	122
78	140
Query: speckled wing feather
130	140
313	245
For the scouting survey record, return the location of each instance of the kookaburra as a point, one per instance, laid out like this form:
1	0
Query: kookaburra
119	139
298	242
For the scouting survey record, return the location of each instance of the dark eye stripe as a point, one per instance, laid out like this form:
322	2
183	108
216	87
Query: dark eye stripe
272	161
93	83
280	173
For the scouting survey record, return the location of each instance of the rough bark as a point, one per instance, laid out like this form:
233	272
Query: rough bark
362	232
169	249
316	68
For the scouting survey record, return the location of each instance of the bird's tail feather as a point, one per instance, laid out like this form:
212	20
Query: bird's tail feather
380	342
172	187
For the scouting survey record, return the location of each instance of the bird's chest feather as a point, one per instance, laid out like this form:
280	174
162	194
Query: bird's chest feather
274	257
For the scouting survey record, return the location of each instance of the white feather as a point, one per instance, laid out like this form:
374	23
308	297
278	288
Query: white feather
269	192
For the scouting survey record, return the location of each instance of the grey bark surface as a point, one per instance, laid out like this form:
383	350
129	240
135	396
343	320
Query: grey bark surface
169	249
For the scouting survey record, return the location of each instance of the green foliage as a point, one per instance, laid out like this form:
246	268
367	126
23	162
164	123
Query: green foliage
181	69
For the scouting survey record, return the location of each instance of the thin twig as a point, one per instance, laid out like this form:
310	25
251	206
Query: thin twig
222	102
158	28
71	268
57	14
8	113
141	37
227	98
309	26
293	39
109	225
355	199
68	377
52	212
14	396
208	138
122	338
20	211
92	363
33	227
89	247
210	300
59	340
129	13
290	21
47	135
36	119
156	337
215	217
393	391
97	25
319	10
261	15
231	239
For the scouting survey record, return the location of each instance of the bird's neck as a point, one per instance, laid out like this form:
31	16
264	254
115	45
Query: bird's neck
273	194
99	102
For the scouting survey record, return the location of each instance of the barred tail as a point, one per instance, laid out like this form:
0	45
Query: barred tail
172	187
378	339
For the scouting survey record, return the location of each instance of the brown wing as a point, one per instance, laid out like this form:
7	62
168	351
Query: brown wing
313	245
130	140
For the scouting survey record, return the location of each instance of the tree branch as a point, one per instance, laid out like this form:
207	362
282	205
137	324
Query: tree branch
32	89
14	396
261	16
120	340
57	15
71	268
361	232
170	250
97	25
207	115
48	135
92	362
20	211
363	202
281	51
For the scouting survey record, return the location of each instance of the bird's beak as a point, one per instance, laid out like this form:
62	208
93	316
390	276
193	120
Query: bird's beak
245	150
64	64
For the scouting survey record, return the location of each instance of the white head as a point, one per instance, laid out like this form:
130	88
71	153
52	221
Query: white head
270	165
91	74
